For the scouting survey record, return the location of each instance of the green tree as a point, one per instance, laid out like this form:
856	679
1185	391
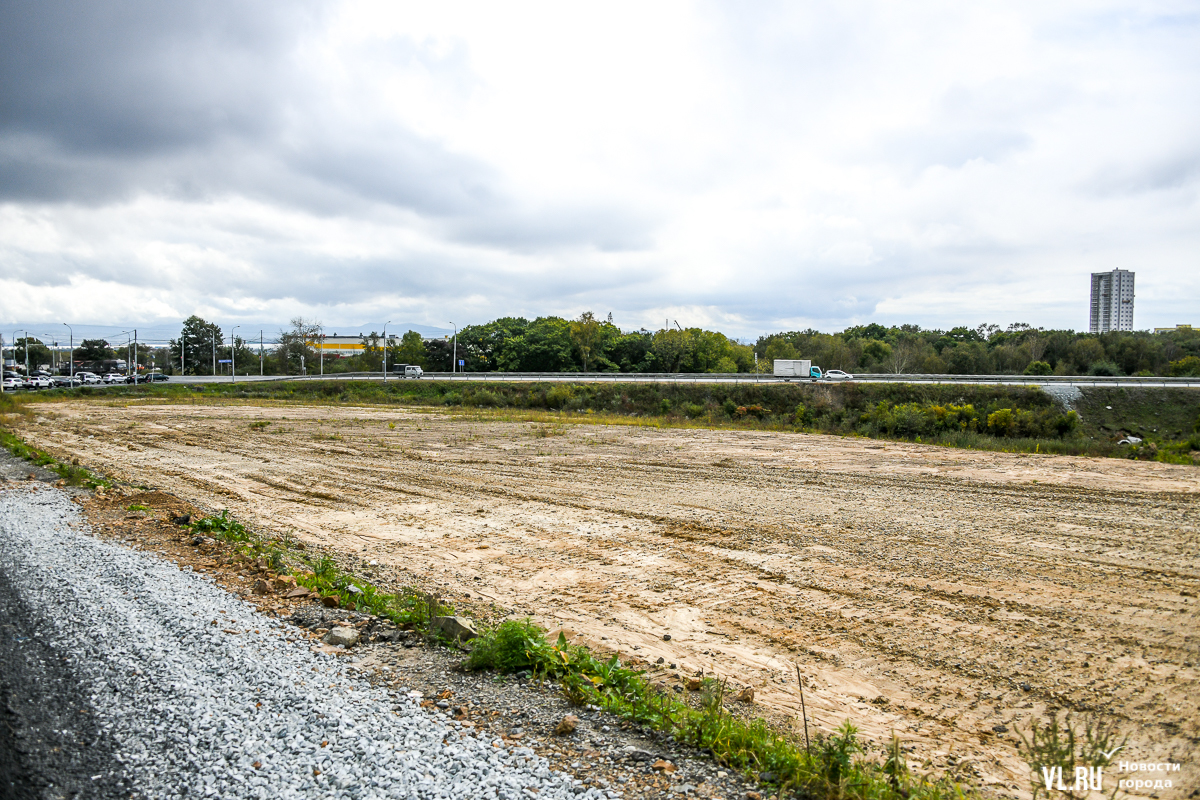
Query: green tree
197	340
38	353
411	350
1038	368
371	357
93	350
585	333
671	349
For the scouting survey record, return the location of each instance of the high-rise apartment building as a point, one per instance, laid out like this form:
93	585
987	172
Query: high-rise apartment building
1112	301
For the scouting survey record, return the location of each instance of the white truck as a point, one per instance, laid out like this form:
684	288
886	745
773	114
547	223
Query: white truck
799	369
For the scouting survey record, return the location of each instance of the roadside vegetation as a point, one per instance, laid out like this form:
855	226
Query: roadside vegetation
828	766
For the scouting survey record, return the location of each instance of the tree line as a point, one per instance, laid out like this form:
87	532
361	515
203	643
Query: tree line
593	344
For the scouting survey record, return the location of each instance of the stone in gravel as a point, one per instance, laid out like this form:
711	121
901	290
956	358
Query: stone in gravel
347	637
299	591
330	601
662	765
262	587
456	627
693	684
666	637
566	726
746	695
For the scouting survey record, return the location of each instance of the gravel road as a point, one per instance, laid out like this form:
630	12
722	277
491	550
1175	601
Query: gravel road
122	675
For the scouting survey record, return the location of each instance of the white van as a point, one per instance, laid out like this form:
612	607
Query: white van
407	370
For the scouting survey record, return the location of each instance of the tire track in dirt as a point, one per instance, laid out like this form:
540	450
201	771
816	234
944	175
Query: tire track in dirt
939	593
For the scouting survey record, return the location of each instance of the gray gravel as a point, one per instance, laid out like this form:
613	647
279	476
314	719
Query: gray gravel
194	688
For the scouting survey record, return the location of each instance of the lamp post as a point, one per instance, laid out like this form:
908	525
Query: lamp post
214	354
454	358
389	322
26	350
2	363
232	354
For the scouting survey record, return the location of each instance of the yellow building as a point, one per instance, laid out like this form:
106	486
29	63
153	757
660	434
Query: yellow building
343	345
1176	328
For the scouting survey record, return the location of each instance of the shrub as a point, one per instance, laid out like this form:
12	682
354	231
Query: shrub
1104	368
512	646
694	410
729	407
482	399
1038	368
559	396
1002	422
1186	367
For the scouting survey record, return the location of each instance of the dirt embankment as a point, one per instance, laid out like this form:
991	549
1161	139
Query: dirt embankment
947	595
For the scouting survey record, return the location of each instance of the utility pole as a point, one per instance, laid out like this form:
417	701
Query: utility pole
135	356
260	354
2	363
214	344
182	354
232	354
454	359
389	322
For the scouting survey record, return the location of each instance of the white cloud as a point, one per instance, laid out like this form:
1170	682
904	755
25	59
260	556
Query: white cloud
751	168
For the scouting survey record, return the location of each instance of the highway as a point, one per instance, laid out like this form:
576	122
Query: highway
736	378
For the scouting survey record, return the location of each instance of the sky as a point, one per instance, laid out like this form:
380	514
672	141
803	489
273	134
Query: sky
744	167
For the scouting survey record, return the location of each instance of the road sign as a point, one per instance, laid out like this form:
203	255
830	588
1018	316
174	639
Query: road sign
224	360
461	362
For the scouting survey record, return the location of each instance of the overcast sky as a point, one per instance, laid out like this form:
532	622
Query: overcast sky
748	167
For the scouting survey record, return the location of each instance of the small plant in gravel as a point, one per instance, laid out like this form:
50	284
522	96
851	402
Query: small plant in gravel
137	507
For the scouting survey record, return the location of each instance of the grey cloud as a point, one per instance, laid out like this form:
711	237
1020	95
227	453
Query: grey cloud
194	101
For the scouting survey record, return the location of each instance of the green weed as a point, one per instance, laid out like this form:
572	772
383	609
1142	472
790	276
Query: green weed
829	769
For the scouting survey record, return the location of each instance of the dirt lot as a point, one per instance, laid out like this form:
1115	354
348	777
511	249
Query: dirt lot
946	595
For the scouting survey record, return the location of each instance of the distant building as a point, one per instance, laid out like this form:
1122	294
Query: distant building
344	345
1112	301
1172	330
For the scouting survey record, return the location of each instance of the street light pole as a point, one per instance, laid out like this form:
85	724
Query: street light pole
135	357
214	344
233	354
389	322
454	358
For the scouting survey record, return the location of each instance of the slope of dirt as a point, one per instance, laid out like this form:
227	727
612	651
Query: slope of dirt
946	595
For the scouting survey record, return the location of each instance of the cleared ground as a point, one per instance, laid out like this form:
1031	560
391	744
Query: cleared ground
947	595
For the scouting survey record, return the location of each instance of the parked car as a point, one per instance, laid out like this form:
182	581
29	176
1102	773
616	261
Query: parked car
36	381
11	384
154	377
88	378
41	373
838	375
113	377
66	382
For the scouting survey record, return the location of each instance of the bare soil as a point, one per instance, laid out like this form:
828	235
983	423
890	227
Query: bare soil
949	596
